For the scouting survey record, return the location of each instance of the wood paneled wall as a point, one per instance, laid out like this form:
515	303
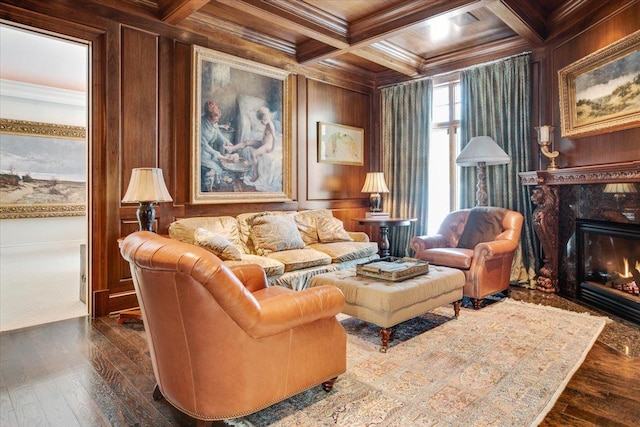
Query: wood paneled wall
599	149
140	117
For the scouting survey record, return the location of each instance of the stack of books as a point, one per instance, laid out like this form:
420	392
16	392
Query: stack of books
377	215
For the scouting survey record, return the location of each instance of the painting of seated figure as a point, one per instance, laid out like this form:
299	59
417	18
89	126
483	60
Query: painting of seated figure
241	142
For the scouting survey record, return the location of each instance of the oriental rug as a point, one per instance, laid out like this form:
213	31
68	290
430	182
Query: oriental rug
503	365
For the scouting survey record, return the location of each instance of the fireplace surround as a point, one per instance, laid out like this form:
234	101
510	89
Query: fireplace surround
569	195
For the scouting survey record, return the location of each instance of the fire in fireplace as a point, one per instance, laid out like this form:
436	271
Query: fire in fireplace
608	266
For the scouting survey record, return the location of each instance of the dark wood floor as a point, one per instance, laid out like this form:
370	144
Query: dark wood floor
83	372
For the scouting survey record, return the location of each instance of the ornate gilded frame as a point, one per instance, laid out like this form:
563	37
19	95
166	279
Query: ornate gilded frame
238	79
26	130
618	108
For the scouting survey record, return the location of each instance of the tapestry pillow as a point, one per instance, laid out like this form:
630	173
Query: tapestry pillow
331	229
225	226
215	243
483	225
273	233
307	222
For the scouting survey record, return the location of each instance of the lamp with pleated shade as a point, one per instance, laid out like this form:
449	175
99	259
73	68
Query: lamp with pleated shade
374	184
146	187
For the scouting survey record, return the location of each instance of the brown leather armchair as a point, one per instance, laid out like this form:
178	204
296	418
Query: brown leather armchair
222	343
484	252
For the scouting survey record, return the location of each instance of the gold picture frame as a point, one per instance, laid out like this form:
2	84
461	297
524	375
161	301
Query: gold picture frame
340	144
242	127
43	170
600	92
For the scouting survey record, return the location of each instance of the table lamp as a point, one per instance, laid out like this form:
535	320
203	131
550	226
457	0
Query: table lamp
146	187
482	151
619	190
374	184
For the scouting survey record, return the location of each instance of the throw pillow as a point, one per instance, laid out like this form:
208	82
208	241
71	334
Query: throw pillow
483	225
273	233
331	229
215	243
307	222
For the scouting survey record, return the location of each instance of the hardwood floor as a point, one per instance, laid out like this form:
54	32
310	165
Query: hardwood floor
83	372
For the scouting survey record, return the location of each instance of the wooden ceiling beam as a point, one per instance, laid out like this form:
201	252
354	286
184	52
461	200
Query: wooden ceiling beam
208	21
285	14
392	57
175	11
523	18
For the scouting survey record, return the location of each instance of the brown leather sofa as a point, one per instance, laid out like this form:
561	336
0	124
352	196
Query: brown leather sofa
222	343
481	242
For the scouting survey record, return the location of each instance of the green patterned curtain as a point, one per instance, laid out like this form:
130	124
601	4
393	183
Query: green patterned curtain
406	122
496	102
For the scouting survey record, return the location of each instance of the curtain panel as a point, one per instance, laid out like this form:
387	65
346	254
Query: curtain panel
406	122
496	102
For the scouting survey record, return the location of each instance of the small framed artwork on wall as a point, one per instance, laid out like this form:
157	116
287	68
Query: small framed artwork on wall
340	144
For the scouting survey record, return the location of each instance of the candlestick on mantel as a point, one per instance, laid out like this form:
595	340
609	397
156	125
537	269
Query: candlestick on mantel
544	133
544	141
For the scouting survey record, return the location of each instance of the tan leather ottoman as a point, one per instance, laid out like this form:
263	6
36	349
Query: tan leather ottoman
386	303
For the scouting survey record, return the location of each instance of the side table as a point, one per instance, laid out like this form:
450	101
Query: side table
384	224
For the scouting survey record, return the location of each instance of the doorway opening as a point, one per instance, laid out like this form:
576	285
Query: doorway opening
44	145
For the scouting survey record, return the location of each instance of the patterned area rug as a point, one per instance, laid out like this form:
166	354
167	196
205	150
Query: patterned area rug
503	365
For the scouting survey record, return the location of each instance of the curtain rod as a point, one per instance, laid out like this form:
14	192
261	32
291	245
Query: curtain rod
457	71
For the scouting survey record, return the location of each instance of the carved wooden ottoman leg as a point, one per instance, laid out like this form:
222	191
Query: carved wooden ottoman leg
476	303
385	333
456	307
328	385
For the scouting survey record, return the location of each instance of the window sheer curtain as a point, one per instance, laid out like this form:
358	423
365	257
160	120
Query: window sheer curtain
496	102
406	122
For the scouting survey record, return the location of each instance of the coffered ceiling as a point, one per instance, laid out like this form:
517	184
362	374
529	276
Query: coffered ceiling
381	40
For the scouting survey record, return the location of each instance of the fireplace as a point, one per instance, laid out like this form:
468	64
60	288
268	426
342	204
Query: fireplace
608	267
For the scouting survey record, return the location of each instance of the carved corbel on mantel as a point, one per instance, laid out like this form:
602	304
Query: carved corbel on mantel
546	220
546	224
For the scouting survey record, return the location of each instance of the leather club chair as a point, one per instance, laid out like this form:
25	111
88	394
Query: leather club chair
481	242
222	343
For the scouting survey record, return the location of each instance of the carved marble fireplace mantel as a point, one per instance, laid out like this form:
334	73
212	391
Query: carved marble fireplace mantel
545	196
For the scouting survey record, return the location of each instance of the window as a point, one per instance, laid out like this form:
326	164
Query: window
443	150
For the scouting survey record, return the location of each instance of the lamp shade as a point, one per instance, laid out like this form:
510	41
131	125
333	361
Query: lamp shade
482	149
374	183
620	188
146	185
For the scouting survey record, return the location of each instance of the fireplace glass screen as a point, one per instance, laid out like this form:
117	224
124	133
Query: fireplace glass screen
609	266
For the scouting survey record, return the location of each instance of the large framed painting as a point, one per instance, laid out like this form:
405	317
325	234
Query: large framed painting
600	93
340	144
242	129
43	170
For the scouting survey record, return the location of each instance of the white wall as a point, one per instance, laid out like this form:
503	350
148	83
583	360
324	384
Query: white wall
39	231
36	103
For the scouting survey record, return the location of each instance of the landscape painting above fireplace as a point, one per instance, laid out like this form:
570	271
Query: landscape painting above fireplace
600	93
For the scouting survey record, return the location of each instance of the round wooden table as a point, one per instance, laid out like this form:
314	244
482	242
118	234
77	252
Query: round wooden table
384	224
